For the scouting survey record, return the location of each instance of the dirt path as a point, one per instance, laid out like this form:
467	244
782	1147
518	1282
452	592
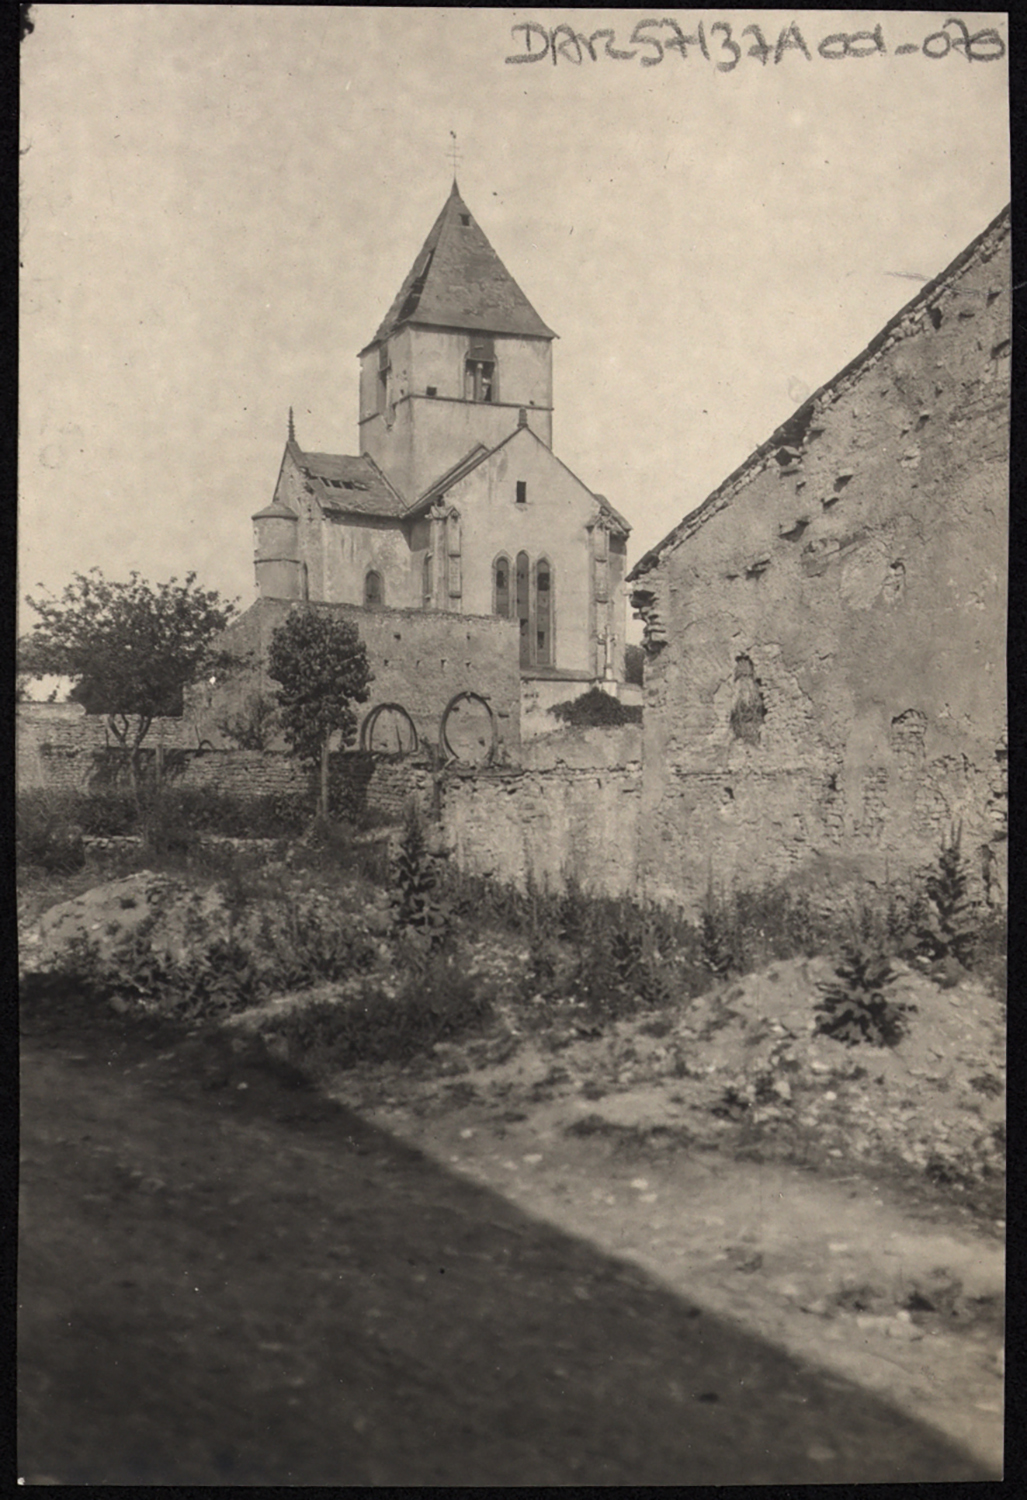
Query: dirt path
223	1284
822	1268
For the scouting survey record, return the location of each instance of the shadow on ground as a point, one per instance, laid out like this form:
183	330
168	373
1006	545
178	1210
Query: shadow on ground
250	1285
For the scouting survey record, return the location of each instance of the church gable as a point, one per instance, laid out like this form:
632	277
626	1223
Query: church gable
536	544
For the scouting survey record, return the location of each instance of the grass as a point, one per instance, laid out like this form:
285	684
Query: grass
435	1002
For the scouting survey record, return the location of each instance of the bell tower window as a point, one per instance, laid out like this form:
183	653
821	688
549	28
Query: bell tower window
480	370
384	371
479	380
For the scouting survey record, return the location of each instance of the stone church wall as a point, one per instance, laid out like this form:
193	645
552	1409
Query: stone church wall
826	678
420	658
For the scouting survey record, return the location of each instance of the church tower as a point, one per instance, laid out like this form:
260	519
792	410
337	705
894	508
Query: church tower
460	353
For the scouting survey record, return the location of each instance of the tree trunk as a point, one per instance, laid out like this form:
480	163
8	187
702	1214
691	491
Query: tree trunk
324	775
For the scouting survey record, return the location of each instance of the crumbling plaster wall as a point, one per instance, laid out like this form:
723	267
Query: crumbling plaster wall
420	659
545	825
861	566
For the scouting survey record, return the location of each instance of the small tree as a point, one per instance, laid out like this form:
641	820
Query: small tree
130	648
322	668
951	922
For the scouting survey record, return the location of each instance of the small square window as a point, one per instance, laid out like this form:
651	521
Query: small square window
432	390
465	218
522	492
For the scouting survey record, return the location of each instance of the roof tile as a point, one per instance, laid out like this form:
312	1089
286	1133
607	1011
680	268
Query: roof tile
350	486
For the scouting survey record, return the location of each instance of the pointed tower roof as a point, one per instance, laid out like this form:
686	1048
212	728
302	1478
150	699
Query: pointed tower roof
458	281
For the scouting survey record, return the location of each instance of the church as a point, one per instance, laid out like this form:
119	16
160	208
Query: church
456	503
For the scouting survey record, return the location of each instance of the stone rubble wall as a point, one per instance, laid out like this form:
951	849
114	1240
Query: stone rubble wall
827	638
546	825
59	745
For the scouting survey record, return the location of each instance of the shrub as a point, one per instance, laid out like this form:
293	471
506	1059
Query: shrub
165	830
854	1006
597	710
331	846
224	973
45	835
107	813
255	726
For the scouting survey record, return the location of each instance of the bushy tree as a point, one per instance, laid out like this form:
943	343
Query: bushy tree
597	710
321	666
130	648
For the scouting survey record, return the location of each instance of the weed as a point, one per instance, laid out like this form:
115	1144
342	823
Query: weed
854	1006
437	1003
418	905
716	947
223	974
330	846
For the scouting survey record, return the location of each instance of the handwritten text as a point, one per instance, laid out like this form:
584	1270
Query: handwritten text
652	39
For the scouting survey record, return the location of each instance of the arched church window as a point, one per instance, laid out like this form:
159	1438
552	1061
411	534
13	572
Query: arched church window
374	590
427	581
524	607
501	587
543	613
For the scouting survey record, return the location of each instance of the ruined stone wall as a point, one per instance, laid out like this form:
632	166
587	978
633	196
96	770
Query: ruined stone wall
547	824
59	745
420	659
61	748
386	787
826	677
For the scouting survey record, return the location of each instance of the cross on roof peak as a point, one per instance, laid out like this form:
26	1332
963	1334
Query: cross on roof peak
454	154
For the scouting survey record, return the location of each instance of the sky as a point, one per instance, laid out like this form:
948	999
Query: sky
219	203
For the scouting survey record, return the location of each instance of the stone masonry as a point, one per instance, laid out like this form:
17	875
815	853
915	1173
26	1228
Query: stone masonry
825	680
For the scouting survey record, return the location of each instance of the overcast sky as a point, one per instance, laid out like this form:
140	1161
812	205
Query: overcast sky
220	202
